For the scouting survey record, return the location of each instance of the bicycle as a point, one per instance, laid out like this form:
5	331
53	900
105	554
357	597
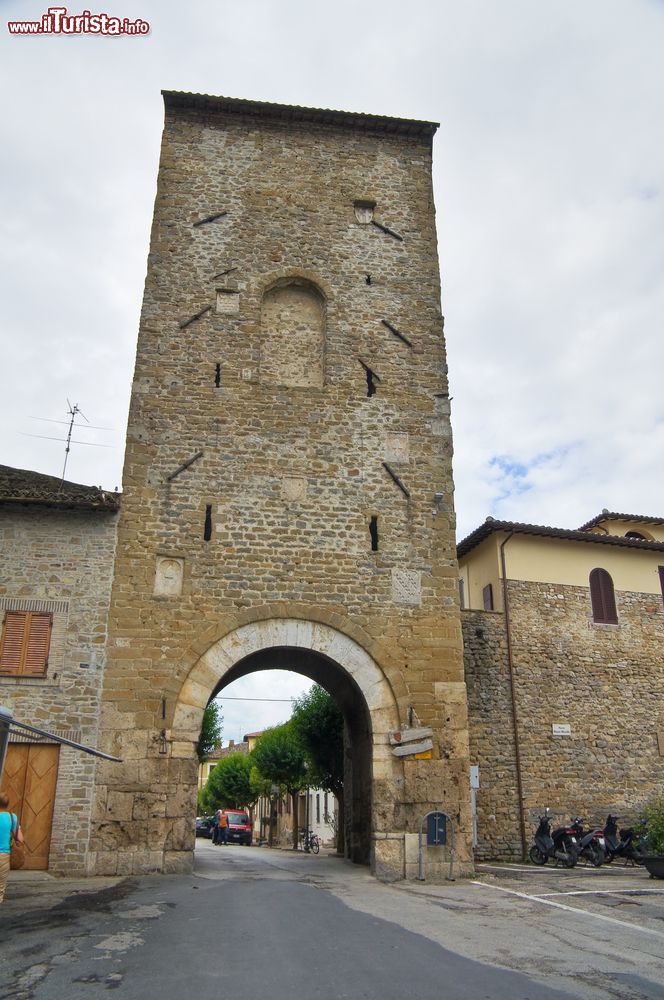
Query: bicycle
309	842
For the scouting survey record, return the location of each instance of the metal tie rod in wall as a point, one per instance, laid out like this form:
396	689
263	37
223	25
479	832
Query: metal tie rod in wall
8	724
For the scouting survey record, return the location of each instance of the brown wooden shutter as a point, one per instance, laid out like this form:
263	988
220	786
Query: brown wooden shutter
602	597
38	640
25	643
661	580
487	597
13	634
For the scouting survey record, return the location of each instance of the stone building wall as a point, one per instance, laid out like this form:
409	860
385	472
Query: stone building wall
491	734
292	351
603	681
61	561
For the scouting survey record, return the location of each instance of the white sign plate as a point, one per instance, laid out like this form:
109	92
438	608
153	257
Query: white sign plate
561	729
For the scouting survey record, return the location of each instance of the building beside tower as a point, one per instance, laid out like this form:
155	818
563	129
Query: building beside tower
563	633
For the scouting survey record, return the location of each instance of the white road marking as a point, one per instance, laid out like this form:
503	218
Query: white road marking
525	868
545	870
570	909
603	892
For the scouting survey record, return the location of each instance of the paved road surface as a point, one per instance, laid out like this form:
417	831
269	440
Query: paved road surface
253	922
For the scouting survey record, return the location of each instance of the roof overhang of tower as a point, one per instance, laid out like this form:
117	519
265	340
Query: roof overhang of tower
177	100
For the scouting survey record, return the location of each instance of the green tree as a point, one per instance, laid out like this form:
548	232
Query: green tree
279	758
229	784
210	736
319	726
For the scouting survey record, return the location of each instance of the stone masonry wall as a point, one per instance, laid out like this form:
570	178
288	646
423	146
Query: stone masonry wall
491	734
62	561
272	519
604	681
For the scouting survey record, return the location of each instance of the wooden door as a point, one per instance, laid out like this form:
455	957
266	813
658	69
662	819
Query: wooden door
29	779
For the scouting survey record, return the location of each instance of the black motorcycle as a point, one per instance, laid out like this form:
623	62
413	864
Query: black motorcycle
625	846
561	845
591	843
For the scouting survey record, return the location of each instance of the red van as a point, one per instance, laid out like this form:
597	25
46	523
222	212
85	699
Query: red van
239	826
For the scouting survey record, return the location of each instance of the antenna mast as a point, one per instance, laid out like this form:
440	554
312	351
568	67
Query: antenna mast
73	412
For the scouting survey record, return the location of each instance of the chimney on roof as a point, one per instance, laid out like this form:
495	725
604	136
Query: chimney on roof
231	744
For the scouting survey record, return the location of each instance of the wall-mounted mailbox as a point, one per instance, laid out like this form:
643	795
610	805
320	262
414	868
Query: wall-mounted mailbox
436	829
436	823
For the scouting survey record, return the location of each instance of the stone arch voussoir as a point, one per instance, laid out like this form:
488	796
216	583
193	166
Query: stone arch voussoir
286	275
223	651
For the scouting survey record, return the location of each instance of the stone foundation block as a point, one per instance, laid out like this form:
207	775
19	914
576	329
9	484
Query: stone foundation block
388	857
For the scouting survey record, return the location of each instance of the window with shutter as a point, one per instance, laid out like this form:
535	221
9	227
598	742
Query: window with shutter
661	580
602	598
487	597
26	637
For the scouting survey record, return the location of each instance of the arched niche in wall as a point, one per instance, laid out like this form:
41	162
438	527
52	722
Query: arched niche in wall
292	350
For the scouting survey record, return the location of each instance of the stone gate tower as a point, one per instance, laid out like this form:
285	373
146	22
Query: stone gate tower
288	484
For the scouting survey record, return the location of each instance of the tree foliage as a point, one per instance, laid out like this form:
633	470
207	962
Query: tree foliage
280	759
319	726
229	784
210	736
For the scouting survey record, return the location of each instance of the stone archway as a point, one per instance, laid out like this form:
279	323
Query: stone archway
279	633
345	669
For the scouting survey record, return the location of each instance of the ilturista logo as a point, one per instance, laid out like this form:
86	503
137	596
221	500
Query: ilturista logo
58	21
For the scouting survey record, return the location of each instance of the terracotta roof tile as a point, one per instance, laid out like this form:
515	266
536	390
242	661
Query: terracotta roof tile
607	515
492	525
25	487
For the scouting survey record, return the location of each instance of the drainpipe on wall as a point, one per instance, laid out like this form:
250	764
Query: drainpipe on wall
515	719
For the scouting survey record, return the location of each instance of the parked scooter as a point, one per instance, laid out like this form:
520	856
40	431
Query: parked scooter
624	847
592	845
561	845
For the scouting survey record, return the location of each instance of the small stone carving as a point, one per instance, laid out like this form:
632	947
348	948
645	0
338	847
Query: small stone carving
397	448
406	586
168	577
364	211
227	301
293	488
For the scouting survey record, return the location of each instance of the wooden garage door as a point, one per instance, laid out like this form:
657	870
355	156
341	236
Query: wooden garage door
29	779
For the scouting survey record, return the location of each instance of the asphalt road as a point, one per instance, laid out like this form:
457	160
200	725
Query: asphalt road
252	922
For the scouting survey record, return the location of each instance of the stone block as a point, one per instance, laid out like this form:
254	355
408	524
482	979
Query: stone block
388	858
178	862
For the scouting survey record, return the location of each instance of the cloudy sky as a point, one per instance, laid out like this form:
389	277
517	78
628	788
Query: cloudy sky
549	173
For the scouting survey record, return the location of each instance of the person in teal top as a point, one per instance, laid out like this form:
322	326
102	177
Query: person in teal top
8	823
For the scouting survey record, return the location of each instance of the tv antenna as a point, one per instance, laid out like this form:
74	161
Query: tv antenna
73	412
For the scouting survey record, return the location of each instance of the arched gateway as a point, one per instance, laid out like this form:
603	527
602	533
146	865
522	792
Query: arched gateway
344	668
287	496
